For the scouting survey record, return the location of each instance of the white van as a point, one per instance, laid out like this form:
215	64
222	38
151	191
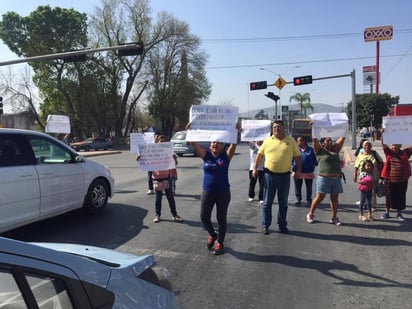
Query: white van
41	177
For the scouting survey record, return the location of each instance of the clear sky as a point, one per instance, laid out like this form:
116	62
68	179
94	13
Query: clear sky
321	38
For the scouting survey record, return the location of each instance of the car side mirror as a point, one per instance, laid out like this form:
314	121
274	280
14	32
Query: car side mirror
78	158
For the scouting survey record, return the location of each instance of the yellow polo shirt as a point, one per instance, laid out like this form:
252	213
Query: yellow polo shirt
279	153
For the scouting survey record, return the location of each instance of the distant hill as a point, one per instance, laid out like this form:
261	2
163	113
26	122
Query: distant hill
318	108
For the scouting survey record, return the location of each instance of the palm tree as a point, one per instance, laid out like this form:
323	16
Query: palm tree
302	99
307	106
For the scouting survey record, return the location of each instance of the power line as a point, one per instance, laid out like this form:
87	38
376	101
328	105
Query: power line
295	38
302	62
397	62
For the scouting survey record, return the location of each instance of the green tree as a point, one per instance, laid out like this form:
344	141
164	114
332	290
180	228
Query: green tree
303	100
65	88
178	75
102	94
159	67
371	107
179	80
193	86
307	106
19	92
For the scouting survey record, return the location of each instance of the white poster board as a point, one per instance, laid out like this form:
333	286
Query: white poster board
57	124
213	123
140	138
156	156
398	130
332	125
255	130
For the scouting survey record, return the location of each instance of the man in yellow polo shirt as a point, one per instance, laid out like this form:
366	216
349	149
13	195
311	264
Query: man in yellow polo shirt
278	150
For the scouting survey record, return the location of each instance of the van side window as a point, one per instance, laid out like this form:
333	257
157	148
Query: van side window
13	152
47	152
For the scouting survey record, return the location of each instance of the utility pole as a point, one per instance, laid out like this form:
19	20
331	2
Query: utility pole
1	112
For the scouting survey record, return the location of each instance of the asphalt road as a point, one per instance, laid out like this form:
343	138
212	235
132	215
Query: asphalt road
356	265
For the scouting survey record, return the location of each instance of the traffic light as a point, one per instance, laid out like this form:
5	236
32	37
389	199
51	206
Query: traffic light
272	96
302	80
75	55
75	58
135	49
1	105
258	85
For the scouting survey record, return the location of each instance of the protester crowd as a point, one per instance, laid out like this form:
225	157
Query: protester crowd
274	162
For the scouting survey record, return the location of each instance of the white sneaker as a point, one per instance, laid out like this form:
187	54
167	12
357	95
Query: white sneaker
261	202
358	202
309	218
250	199
150	192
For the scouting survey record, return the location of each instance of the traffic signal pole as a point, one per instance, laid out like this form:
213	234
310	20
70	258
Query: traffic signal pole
131	48
354	121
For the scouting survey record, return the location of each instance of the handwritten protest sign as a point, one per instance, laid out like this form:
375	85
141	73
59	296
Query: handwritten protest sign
255	130
57	124
140	138
156	156
398	130
213	123
332	125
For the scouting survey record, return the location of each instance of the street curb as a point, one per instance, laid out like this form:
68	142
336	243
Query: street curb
99	153
347	155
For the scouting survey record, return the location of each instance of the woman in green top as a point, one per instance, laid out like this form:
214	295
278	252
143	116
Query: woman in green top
329	176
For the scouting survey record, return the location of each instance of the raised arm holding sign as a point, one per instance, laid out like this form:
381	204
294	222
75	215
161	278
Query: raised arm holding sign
213	123
398	130
332	125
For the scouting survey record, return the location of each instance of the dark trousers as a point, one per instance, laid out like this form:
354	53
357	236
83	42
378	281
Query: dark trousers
170	199
208	201
150	180
396	195
252	184
298	189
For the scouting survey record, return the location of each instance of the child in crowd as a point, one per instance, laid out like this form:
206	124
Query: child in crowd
253	149
365	186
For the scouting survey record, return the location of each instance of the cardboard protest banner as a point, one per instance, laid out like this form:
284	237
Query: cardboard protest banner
332	125
213	123
398	130
140	138
156	156
57	124
255	130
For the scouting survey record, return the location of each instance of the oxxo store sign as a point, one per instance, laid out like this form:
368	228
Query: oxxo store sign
378	33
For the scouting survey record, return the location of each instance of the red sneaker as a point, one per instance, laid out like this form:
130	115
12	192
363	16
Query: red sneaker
211	242
218	250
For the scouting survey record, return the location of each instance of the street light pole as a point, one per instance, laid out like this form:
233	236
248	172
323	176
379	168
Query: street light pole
123	50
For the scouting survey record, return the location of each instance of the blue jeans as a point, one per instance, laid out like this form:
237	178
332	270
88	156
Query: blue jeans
272	184
365	198
170	199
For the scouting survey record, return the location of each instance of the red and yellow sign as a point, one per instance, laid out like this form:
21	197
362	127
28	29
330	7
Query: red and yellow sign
378	33
280	83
